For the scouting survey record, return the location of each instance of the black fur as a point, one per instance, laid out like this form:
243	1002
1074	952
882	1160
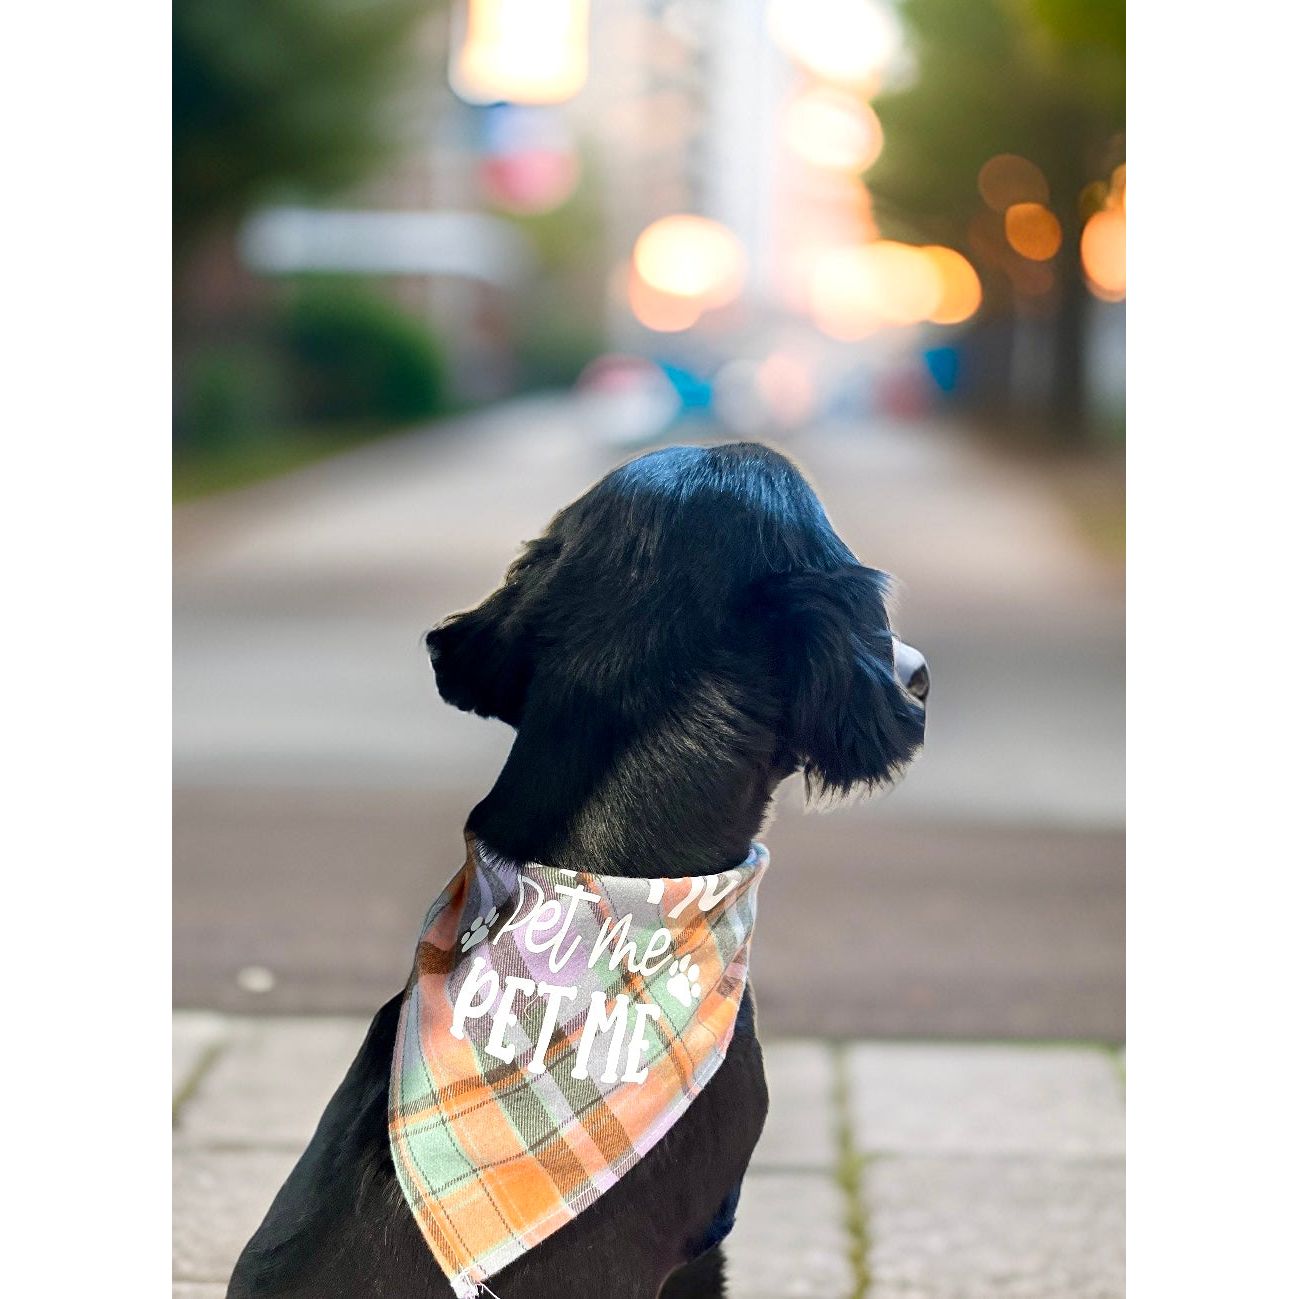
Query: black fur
685	636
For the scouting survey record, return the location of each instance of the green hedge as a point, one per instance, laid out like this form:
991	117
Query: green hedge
354	355
332	354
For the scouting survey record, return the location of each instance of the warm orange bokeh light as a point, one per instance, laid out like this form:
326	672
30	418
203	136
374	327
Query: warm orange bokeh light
665	313
909	285
1105	255
520	51
691	257
846	42
831	129
1008	178
856	290
962	292
1033	231
842	295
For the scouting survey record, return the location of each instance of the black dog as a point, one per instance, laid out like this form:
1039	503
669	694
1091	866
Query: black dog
682	638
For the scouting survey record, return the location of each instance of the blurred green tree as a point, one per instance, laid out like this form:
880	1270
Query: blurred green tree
1043	79
275	101
356	355
275	97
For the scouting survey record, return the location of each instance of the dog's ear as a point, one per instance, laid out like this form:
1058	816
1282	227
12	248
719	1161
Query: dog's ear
483	659
849	721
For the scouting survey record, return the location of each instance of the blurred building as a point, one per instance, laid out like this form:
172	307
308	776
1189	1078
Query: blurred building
682	180
684	99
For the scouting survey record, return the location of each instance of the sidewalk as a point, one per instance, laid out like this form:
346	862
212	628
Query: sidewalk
893	1170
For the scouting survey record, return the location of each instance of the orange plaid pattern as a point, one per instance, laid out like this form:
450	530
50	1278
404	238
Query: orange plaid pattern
556	1024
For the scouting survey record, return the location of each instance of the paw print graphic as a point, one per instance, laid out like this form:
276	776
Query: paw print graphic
683	981
477	932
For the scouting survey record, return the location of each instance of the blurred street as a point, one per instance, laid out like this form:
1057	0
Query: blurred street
321	784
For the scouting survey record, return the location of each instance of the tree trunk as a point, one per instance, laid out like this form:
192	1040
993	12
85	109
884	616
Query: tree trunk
1068	390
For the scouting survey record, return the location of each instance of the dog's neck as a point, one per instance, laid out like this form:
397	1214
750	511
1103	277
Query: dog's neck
685	797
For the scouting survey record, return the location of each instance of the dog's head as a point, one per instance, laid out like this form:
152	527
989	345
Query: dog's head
700	591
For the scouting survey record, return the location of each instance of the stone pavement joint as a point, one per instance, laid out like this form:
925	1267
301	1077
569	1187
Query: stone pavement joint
888	1170
197	1041
851	1169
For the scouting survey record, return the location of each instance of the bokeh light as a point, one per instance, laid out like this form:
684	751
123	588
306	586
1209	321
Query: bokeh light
665	313
856	290
1033	231
846	42
691	257
829	128
842	294
527	158
962	292
519	51
529	183
1104	254
787	386
909	287
625	399
1007	179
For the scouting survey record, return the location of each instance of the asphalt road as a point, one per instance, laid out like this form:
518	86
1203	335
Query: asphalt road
321	785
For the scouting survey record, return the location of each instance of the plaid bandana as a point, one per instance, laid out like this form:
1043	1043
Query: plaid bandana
555	1026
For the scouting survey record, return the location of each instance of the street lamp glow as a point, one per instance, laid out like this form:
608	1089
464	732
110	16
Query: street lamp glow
962	292
858	289
1105	256
834	130
842	294
691	257
1033	231
519	51
665	313
908	286
846	42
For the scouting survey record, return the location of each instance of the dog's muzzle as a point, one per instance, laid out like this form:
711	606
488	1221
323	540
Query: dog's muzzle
909	663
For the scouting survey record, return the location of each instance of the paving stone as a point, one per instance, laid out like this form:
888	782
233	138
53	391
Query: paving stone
800	1119
218	1199
999	1177
193	1033
271	1082
911	1098
996	1229
789	1239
